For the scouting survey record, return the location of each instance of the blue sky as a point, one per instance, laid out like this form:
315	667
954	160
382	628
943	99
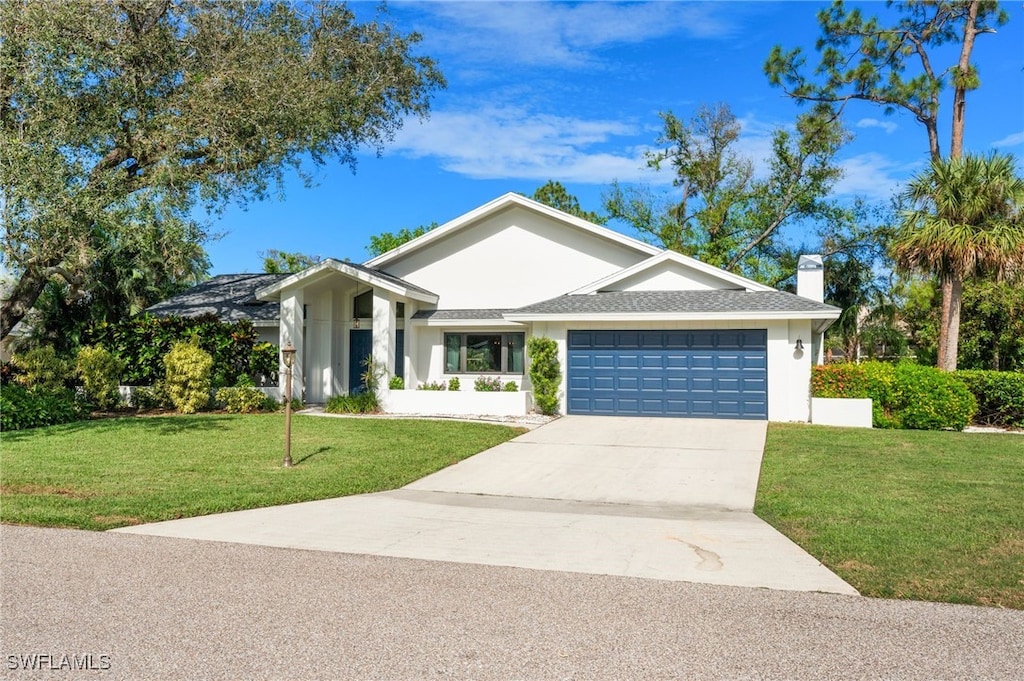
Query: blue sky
571	92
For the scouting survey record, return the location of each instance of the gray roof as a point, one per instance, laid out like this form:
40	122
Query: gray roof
232	297
460	314
619	302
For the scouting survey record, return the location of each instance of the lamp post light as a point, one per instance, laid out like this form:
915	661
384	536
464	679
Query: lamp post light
288	357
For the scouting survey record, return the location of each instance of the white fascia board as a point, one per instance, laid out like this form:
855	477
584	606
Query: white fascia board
309	276
267	323
501	203
671	316
684	260
465	323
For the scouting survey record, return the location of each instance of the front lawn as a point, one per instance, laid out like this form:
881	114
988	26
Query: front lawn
935	516
100	474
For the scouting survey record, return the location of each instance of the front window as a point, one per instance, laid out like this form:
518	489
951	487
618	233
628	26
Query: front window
483	353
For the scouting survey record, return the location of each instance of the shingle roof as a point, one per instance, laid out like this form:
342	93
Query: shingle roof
460	314
676	301
232	297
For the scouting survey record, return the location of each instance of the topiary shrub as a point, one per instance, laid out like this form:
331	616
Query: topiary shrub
42	368
454	384
241	399
100	372
545	373
511	387
1000	396
396	383
188	377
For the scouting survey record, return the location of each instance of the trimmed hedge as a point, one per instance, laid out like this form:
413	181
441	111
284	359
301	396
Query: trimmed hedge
22	408
904	395
1000	396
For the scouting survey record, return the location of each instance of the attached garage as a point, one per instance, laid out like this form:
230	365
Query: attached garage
698	373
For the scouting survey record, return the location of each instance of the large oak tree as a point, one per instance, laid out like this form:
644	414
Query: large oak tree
120	114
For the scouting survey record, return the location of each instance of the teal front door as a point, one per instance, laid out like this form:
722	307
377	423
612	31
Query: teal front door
360	346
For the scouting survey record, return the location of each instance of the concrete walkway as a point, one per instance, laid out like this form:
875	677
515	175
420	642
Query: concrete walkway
656	498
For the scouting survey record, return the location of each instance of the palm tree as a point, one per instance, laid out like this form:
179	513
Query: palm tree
966	221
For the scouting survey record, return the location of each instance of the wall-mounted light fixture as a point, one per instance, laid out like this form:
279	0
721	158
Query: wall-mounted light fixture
799	345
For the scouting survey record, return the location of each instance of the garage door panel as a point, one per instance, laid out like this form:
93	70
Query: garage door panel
669	373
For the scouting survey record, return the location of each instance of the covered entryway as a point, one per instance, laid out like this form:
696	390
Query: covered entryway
698	373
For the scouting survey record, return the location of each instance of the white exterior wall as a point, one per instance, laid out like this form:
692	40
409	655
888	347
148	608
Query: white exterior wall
668	276
789	371
511	259
430	356
384	331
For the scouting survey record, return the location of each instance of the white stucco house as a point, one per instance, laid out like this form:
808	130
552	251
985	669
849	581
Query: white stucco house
640	330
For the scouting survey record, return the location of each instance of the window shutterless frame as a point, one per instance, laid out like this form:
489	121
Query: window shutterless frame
483	353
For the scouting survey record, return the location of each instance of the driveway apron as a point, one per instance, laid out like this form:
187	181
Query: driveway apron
640	497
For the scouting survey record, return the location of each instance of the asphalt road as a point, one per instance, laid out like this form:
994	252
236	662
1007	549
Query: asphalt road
141	607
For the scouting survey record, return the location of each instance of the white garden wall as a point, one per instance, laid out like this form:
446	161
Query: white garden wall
456	402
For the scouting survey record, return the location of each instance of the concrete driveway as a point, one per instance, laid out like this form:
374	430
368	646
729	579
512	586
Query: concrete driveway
637	497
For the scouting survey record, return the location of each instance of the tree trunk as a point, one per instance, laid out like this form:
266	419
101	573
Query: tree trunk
961	82
949	326
23	296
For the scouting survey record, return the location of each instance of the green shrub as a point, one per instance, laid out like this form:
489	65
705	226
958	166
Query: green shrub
42	368
511	387
359	403
22	407
930	399
1000	396
151	397
845	380
100	372
545	373
454	384
396	383
485	384
241	399
264	362
904	395
188	377
142	342
431	386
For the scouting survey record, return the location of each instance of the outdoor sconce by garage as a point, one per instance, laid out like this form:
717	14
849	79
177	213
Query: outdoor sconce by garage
799	345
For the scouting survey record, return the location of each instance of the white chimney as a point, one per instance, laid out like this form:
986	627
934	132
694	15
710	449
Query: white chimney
810	278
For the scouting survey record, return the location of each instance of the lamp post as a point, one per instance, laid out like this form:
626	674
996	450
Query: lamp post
288	357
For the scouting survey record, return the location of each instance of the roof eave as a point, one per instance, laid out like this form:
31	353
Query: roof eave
273	291
672	316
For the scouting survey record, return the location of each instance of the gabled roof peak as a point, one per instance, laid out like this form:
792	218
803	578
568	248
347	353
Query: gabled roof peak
732	281
501	203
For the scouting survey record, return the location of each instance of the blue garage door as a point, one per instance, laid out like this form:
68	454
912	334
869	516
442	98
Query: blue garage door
707	374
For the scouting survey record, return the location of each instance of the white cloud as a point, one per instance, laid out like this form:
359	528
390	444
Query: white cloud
562	34
874	176
513	143
888	126
1013	140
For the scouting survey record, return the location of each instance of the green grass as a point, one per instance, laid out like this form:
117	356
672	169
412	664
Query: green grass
935	516
101	474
